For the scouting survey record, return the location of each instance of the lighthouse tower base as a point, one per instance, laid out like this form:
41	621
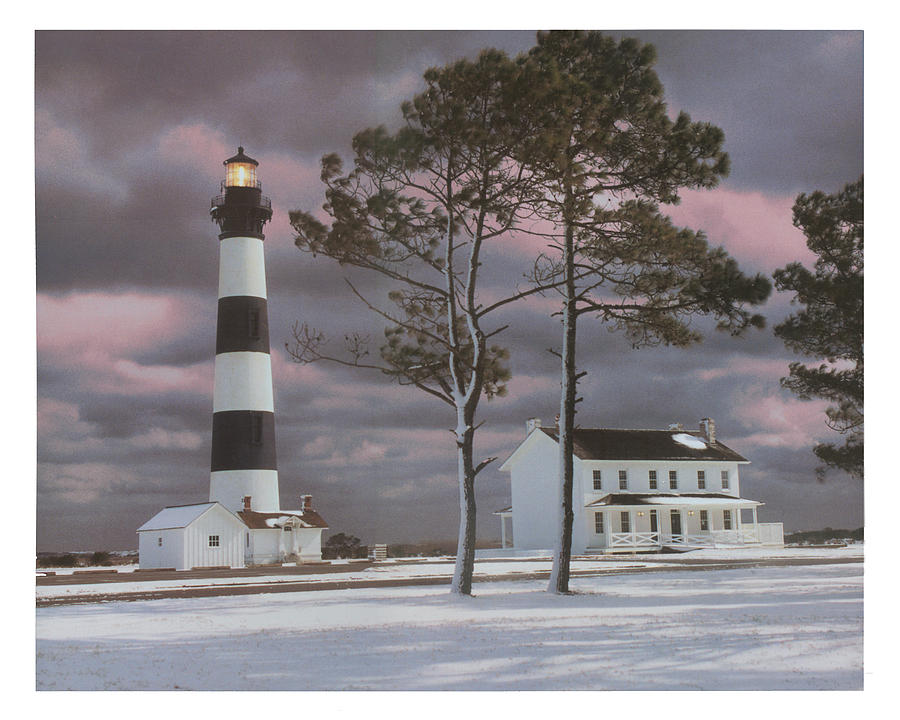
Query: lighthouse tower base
230	487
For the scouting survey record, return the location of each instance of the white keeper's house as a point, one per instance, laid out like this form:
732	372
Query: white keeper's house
633	490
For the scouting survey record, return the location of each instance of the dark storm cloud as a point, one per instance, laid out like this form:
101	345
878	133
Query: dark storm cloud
790	102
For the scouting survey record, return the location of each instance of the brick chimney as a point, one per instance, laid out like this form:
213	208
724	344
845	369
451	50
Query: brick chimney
246	500
708	428
305	503
531	424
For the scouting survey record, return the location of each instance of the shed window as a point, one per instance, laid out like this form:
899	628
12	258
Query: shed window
701	480
598	482
652	476
214	541
623	479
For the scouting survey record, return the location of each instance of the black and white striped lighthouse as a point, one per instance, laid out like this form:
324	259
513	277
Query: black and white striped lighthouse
243	435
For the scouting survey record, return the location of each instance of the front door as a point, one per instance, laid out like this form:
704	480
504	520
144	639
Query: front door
676	522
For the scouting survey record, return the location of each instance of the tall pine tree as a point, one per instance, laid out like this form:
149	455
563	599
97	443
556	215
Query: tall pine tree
829	327
609	155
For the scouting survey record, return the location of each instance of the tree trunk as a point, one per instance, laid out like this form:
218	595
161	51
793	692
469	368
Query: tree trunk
562	555
465	549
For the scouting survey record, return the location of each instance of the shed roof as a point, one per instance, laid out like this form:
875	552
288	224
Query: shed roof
611	444
176	516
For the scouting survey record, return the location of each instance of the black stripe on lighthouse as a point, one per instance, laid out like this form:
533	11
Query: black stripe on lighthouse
243	325
243	440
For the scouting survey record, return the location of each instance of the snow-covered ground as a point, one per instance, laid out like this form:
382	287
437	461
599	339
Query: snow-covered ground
779	628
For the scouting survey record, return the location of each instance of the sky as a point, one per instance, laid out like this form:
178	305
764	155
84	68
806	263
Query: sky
131	129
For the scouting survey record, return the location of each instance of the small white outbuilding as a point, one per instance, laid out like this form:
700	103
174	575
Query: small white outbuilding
188	536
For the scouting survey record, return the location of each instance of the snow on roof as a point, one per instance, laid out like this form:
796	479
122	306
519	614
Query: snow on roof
691	441
176	516
614	444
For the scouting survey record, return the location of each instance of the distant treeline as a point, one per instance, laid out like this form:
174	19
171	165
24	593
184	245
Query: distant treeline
821	536
85	559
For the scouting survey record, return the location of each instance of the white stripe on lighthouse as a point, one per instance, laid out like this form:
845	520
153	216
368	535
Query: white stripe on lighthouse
243	381
230	486
242	267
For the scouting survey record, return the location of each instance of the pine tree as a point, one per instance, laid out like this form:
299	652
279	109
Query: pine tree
608	156
418	208
830	325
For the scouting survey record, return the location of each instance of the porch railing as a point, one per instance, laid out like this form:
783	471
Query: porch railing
634	539
748	534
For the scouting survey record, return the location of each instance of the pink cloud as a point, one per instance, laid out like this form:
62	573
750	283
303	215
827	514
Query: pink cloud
782	421
198	146
753	227
94	336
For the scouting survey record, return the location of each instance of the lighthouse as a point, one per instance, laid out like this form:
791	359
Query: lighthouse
243	463
242	523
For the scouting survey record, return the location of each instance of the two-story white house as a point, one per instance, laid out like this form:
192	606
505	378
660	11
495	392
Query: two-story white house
633	489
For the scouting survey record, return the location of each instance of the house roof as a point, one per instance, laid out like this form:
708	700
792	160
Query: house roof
693	499
176	516
610	444
267	520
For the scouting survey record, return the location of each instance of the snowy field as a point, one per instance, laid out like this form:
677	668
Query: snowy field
779	628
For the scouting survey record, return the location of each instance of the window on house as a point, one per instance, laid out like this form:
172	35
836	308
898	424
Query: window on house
704	520
598	483
654	526
256	428
725	480
652	475
701	479
288	528
598	523
253	323
623	479
214	541
159	542
673	479
625	518
726	519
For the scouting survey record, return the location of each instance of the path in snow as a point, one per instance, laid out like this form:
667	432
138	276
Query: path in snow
785	628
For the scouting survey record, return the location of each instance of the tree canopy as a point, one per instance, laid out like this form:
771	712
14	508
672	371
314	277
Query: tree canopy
829	326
